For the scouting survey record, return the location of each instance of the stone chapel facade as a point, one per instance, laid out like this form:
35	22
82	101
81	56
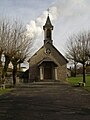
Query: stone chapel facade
47	64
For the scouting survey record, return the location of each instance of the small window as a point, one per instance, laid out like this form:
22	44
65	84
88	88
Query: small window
48	34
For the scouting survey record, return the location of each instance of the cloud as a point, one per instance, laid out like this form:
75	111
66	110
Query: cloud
69	16
34	28
74	17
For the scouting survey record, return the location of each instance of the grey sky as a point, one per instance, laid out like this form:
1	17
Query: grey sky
73	16
22	9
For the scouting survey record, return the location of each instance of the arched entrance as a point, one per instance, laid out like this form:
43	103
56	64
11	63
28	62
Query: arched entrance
47	70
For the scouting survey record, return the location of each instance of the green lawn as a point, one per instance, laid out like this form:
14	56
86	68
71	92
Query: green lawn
3	91
76	80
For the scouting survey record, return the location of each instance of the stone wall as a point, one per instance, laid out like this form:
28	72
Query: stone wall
62	72
54	55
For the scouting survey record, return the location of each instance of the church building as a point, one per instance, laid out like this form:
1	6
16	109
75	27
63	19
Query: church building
47	64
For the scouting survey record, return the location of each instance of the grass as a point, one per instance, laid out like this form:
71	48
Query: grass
76	80
3	91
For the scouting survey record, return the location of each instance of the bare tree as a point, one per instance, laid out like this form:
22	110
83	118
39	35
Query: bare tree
1	43
20	47
15	45
77	49
71	52
5	37
88	47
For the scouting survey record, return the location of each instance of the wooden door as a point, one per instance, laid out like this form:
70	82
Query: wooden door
48	73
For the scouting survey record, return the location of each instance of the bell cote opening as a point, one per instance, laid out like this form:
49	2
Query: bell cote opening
48	27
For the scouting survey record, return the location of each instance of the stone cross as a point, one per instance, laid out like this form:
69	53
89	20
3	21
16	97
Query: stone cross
48	10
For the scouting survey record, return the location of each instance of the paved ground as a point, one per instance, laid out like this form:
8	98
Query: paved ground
45	102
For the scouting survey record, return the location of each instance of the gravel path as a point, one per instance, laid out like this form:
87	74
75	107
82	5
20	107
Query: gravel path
45	101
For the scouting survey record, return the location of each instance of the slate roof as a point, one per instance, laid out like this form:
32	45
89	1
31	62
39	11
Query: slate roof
48	23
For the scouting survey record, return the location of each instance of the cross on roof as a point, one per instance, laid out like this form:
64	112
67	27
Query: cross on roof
48	10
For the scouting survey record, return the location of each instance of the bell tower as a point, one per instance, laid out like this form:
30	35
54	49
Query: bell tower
48	27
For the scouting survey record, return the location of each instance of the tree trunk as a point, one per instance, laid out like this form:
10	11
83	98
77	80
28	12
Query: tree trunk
14	74
1	54
4	71
84	81
0	57
1	66
75	69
